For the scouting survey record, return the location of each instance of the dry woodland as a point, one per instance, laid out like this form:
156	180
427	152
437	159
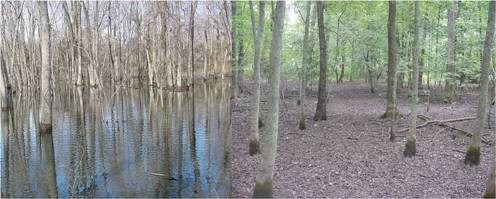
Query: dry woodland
363	99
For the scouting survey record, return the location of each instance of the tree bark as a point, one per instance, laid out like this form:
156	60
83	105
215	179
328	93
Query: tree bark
391	110
45	109
263	181
321	112
5	85
449	88
473	152
96	42
370	72
410	146
491	184
258	37
304	62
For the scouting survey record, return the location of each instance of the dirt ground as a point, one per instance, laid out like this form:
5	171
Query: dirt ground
350	155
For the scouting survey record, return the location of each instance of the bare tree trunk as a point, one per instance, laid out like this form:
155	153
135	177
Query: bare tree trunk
473	152
205	55
304	62
491	184
370	72
192	62
45	112
192	47
321	112
410	146
96	43
5	85
258	35
76	24
89	45
115	75
391	110
263	181
449	88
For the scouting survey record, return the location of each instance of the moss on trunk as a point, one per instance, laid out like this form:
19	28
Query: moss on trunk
472	157
488	195
263	189
391	114
410	148
301	125
254	146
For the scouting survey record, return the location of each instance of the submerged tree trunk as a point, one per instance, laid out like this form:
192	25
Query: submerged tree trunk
258	37
473	152
391	110
321	112
45	109
263	181
410	146
449	88
304	62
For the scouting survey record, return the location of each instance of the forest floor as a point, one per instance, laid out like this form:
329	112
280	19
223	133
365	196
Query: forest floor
350	155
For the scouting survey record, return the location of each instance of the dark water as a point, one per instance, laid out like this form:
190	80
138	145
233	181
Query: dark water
123	143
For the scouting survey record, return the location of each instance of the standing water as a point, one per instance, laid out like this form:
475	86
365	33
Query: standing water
120	143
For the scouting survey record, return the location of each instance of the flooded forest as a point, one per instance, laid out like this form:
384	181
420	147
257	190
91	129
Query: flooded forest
115	99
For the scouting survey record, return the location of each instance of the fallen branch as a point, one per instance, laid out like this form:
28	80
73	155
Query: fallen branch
161	175
424	117
443	123
466	133
438	122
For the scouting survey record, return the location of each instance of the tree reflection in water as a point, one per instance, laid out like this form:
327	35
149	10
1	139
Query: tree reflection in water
122	143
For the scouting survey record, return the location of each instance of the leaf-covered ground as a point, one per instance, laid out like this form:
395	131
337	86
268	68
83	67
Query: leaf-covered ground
350	154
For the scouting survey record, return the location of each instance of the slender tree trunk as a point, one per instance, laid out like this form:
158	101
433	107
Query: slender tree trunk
258	37
263	181
192	66
5	85
321	112
391	110
410	147
115	75
45	112
205	54
370	72
491	184
473	152
78	44
241	56
96	42
449	87
87	35
341	66
304	63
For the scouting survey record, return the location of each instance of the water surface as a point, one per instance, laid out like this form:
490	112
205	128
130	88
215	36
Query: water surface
119	143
